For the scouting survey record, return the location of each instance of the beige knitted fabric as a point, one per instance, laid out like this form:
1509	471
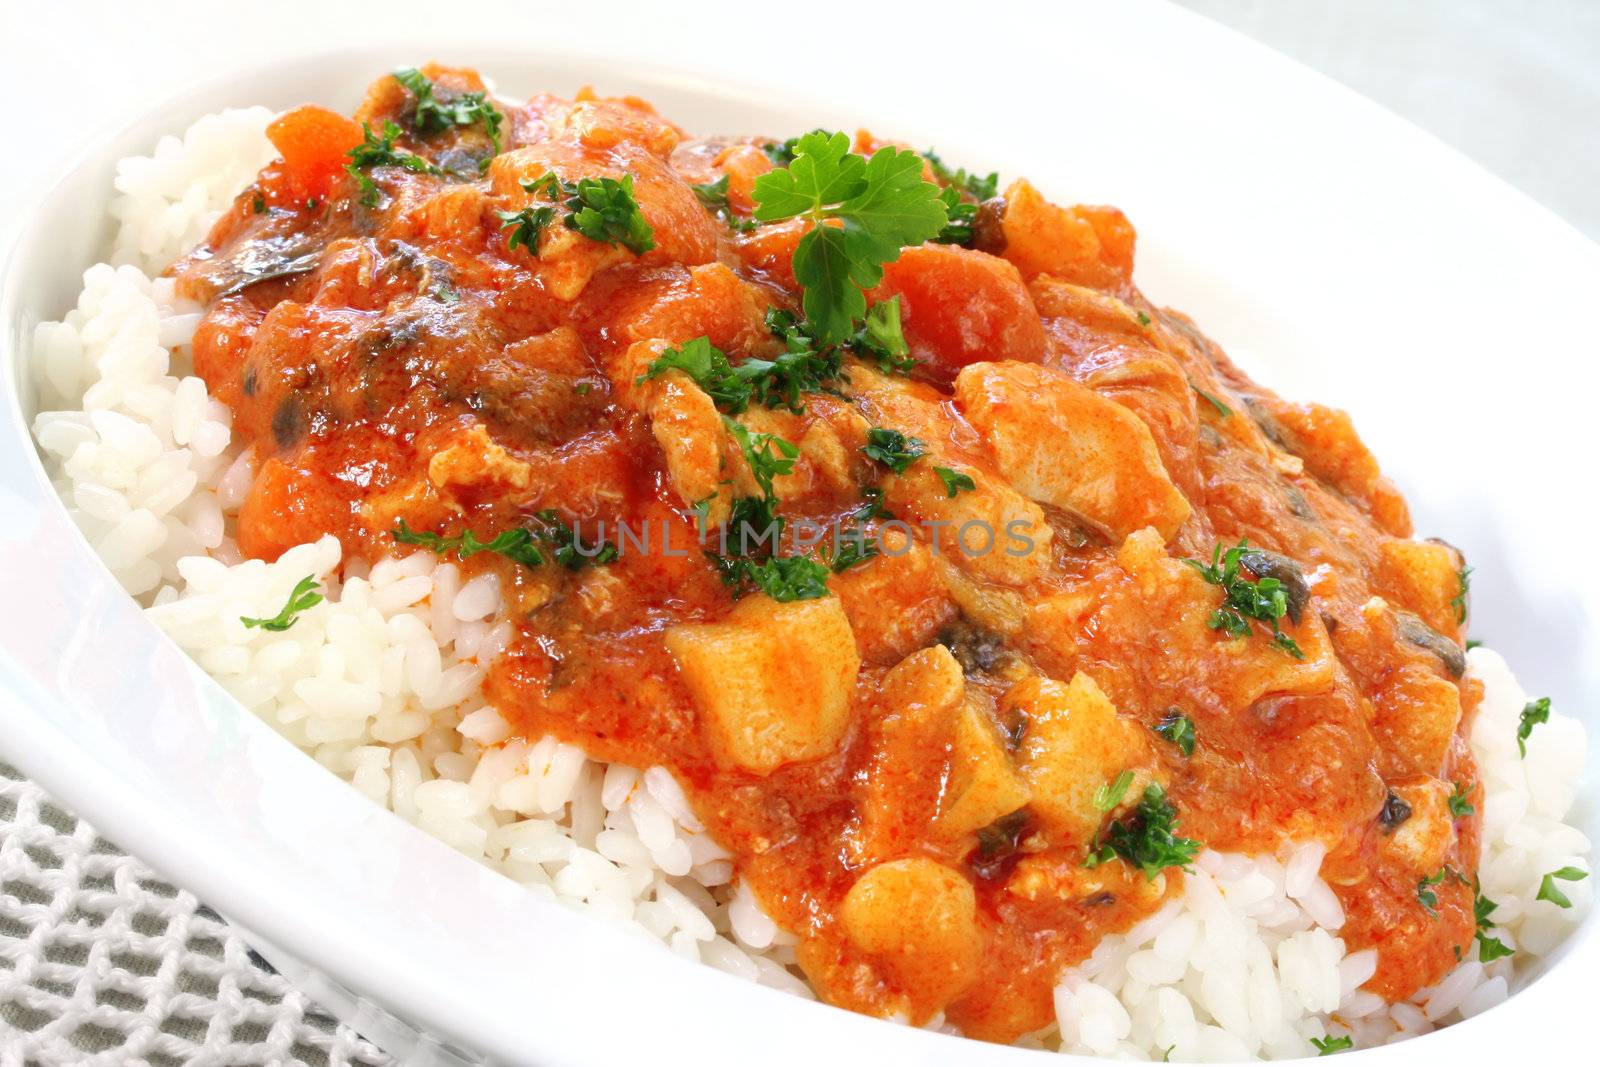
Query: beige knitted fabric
104	963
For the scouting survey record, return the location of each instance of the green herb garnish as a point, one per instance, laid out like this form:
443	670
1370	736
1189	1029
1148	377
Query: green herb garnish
768	454
1178	728
893	449
303	596
1108	796
714	195
959	186
380	151
1549	891
526	226
1489	948
1263	599
1222	409
954	481
1460	807
569	549
1146	838
1463	587
434	115
1327	1046
602	209
883	204
1425	894
516	545
882	338
1533	713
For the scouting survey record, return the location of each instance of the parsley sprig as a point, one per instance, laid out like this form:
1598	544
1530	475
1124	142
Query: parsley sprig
515	544
380	151
1327	1046
1460	806
1425	892
1244	598
1146	839
434	115
1548	890
1534	712
714	195
1489	948
602	209
1178	728
893	449
961	195
1463	589
954	481
881	204
303	596
783	578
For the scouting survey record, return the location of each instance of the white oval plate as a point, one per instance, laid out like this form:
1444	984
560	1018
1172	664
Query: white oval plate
1336	251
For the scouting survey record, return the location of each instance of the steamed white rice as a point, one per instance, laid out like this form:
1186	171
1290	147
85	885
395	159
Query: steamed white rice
381	684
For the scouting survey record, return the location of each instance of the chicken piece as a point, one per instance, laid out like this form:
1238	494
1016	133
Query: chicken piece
896	601
918	919
1417	714
1090	246
1426	578
773	682
983	785
473	462
686	424
991	531
1326	441
1422	841
1074	743
1063	444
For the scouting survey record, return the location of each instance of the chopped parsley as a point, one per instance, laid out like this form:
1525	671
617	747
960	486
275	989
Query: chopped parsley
706	364
714	195
1460	807
854	547
259	204
882	338
1145	839
1264	600
1425	892
979	187
380	151
768	454
1211	398
1548	890
782	152
435	116
1144	320
303	596
872	508
1472	643
883	203
1108	796
602	209
954	481
1463	587
1327	1046
1177	728
526	226
960	195
568	548
893	449
1533	713
1489	948
774	383
516	545
786	578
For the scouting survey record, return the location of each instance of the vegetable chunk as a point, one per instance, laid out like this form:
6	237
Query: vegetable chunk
1063	444
773	682
919	918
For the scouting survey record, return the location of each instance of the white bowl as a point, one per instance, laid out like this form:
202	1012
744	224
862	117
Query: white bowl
1337	252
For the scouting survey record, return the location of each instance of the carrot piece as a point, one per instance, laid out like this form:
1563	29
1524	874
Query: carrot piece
315	143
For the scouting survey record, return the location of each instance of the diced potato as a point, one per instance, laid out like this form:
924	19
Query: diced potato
895	601
773	682
1074	743
1423	839
991	531
1063	444
1417	714
919	920
984	786
1423	577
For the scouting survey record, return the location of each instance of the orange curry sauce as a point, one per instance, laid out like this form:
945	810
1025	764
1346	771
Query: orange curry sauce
905	770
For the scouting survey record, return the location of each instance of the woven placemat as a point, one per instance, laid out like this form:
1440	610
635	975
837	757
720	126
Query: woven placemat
103	962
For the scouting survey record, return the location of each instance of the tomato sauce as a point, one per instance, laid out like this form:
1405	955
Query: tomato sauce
398	361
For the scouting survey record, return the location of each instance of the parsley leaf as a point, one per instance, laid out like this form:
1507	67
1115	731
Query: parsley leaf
979	187
1146	839
526	226
434	115
1549	891
1463	587
1425	894
380	151
883	205
569	549
1489	948
954	481
1110	795
768	454
714	195
1460	807
303	596
893	449
1533	713
706	364
1222	409
882	338
1178	728
786	578
960	196
516	545
604	209
854	546
1264	599
1327	1046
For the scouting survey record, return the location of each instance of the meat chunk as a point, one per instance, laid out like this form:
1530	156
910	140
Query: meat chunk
1065	445
773	682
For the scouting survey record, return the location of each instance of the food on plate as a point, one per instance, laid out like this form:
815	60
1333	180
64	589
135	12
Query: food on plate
825	558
